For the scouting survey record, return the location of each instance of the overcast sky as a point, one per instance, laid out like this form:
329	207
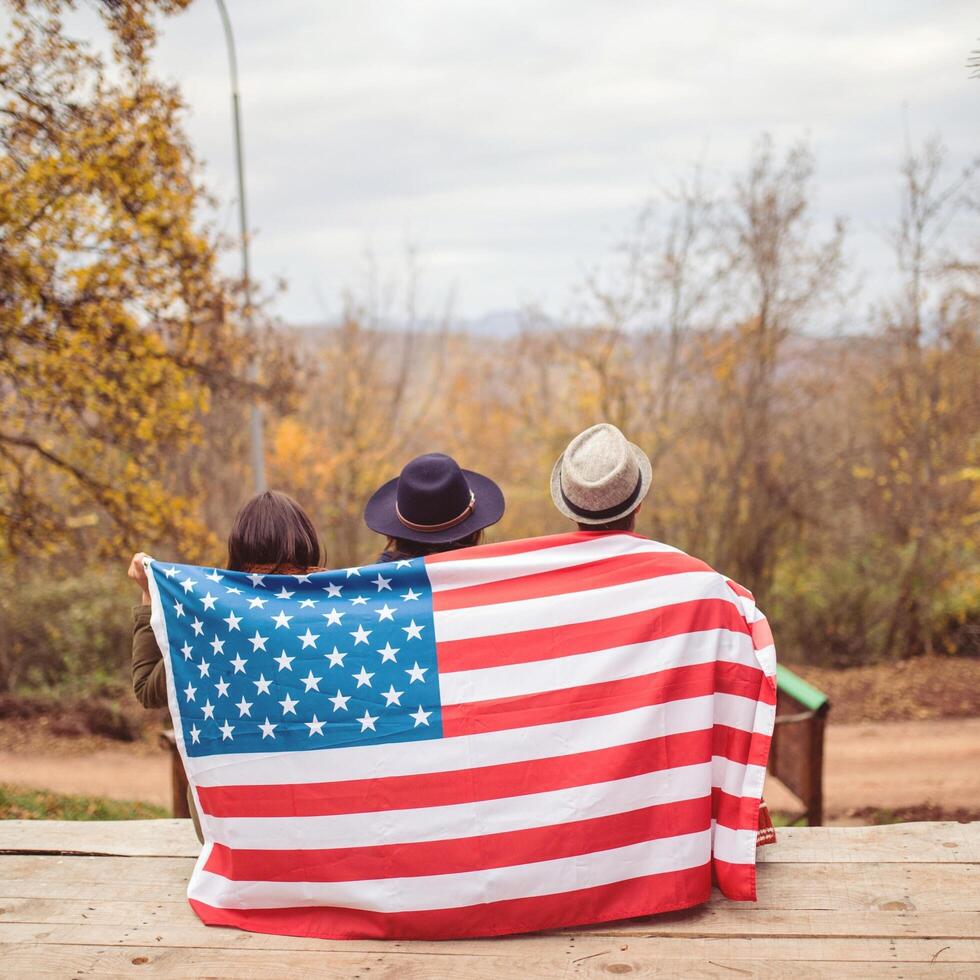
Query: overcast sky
512	142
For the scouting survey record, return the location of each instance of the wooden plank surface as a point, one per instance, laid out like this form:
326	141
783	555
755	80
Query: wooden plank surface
456	964
931	843
888	887
881	901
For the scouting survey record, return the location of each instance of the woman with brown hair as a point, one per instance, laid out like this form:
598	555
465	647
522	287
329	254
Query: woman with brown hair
433	506
271	535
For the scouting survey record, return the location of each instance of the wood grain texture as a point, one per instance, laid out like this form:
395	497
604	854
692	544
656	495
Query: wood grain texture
900	901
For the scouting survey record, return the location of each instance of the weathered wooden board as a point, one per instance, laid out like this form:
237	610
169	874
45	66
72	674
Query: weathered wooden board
453	964
716	920
530	947
888	887
930	843
898	901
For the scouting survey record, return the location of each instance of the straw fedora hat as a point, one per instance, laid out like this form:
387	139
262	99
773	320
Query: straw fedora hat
600	477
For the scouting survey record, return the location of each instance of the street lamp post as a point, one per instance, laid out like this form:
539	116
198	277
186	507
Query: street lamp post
258	450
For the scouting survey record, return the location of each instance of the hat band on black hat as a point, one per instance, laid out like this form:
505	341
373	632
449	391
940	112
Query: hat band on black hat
438	527
608	512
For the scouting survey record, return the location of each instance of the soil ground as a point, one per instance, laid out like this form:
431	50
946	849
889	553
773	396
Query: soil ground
903	743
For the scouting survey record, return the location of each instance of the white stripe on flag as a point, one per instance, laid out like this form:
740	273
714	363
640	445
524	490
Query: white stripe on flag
612	664
462	573
578	607
465	819
464	888
472	751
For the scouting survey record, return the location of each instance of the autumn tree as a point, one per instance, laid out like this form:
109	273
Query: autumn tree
116	329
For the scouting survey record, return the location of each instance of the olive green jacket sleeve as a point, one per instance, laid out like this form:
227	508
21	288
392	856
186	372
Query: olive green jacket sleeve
149	674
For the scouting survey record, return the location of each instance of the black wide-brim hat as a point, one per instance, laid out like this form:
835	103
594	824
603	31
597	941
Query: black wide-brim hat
434	500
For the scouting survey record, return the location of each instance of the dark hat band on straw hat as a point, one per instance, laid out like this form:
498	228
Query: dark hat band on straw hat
607	512
445	525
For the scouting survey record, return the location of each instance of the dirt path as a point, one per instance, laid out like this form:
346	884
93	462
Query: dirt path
884	764
896	764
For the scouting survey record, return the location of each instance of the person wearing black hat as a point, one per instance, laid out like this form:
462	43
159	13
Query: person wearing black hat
432	506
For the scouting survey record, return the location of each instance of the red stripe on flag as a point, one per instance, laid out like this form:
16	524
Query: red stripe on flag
646	895
606	572
736	812
609	697
736	881
459	786
502	549
599	634
463	854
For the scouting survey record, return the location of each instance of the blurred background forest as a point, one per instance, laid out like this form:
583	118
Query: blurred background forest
821	448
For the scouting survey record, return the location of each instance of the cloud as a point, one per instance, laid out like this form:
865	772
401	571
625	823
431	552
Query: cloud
512	141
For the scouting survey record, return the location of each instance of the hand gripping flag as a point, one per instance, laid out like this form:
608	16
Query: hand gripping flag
519	736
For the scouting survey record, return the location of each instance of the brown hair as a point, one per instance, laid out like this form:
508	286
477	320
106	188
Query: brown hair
627	523
398	549
272	530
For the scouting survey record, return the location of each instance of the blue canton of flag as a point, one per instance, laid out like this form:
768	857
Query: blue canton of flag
272	663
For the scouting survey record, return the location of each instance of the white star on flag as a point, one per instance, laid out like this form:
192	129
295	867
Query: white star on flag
353	571
367	721
226	730
222	687
385	612
410	595
333	591
208	709
198	627
261	685
363	677
258	642
282	619
195	734
285	663
302	578
231	590
257	602
284	594
315	726
288	705
388	653
339	701
359	600
244	707
336	658
309	638
186	650
257	579
171	572
204	667
188	584
421	717
391	696
311	682
190	691
232	620
361	635
268	728
413	632
403	563
307	603
209	601
239	664
333	617
179	609
214	576
218	646
417	673
381	582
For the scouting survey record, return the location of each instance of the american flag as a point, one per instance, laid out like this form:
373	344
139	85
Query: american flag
519	736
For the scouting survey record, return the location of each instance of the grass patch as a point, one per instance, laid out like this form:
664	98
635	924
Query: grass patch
18	803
